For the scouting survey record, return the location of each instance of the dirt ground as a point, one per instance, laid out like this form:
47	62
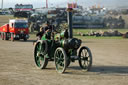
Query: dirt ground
110	65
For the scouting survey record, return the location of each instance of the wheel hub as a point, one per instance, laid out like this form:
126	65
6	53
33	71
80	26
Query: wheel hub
85	58
39	54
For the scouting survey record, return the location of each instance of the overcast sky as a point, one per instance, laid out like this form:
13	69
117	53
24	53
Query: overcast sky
59	3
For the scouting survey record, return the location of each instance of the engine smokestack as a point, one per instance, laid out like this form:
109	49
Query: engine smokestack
69	13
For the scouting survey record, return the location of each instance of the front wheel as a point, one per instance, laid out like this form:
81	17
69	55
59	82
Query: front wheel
60	58
85	58
39	57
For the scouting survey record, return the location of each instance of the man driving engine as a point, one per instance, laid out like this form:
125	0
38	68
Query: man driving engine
45	29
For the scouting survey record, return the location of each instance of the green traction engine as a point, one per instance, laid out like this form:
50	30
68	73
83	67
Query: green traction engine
63	49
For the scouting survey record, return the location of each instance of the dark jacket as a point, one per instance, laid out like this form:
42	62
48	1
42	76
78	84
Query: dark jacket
50	27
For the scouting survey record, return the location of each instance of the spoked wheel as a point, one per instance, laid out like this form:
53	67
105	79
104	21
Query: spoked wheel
85	58
39	54
60	58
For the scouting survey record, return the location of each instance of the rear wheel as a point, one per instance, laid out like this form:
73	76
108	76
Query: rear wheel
2	36
12	37
60	58
85	58
6	36
39	56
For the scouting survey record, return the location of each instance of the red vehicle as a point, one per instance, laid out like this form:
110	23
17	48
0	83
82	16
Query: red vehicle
16	29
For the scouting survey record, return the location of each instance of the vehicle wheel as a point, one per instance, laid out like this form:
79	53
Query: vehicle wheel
85	58
39	56
60	58
12	37
2	36
5	36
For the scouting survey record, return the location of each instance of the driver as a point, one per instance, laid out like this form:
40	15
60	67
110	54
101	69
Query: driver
47	28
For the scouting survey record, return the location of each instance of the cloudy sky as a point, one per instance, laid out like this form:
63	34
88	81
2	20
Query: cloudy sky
59	3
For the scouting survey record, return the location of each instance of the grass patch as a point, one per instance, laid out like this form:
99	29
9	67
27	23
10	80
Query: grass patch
85	31
94	37
33	35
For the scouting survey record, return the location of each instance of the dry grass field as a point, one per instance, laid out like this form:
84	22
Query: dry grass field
5	19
